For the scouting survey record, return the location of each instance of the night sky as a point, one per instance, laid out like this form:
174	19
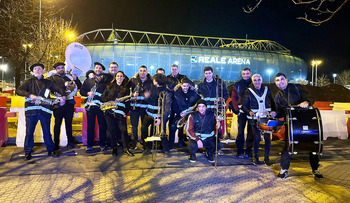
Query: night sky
274	20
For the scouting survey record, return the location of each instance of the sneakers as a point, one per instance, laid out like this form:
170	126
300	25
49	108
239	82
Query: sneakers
241	156
167	154
283	174
317	174
267	162
256	161
210	157
28	156
193	159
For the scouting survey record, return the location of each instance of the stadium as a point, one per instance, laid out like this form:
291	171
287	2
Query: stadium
228	56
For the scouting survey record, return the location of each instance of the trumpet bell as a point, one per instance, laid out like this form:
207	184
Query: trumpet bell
78	58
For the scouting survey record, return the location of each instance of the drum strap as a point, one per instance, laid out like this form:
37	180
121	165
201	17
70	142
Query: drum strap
261	100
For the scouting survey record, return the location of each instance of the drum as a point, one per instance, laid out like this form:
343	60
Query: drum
269	125
304	130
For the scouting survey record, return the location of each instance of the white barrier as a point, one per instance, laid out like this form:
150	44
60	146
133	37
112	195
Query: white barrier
38	134
334	124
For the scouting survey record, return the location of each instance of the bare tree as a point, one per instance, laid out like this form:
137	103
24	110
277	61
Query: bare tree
323	81
316	11
19	25
344	78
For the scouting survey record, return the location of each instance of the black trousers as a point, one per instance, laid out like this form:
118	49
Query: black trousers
208	143
65	112
242	120
257	139
314	159
117	130
91	114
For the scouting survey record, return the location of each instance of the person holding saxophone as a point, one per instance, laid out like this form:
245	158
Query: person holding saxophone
38	106
93	89
118	92
66	112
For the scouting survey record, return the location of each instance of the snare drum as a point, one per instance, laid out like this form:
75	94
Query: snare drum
304	130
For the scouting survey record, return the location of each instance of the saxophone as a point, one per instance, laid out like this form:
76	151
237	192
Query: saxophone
112	104
41	100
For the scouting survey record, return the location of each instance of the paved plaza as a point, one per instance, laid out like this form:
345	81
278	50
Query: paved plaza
79	177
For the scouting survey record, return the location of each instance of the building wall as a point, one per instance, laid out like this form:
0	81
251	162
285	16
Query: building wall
226	62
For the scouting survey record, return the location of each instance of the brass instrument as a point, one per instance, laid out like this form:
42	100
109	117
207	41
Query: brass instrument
41	100
133	99
158	128
88	101
112	105
183	120
71	90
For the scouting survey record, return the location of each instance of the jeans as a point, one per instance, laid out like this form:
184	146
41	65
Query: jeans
91	118
65	112
31	121
134	119
208	143
242	120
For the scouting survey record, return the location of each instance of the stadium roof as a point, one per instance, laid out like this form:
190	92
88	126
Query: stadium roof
116	36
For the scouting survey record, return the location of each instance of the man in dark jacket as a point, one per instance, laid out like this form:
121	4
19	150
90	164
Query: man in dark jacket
207	89
202	127
139	84
257	103
287	96
38	106
158	109
68	82
184	101
93	89
237	94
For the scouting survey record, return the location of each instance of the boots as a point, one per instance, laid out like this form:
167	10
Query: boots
114	151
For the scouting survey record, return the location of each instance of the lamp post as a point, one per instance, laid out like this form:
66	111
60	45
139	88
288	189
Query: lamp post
315	63
4	69
26	50
334	76
269	71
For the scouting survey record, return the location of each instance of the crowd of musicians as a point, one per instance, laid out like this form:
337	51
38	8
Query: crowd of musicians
159	102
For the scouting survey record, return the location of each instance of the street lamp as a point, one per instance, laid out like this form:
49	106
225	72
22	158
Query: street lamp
315	63
3	67
26	50
269	71
334	76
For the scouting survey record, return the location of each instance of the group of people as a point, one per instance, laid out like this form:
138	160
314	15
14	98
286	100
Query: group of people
159	101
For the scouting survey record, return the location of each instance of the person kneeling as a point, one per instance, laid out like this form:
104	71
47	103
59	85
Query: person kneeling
201	129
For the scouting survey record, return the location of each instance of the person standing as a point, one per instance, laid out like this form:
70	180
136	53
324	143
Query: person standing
118	91
184	100
236	97
66	112
257	102
287	96
140	83
113	68
37	93
93	89
208	90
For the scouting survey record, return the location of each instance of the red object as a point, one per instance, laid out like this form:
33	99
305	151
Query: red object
3	101
4	135
84	131
8	92
323	105
77	102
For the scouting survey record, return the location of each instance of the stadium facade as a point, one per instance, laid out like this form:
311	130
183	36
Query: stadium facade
227	56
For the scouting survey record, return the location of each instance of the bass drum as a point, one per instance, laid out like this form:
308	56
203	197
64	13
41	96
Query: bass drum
304	130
